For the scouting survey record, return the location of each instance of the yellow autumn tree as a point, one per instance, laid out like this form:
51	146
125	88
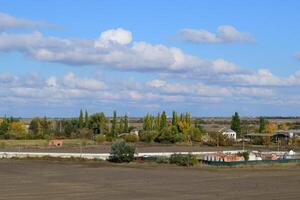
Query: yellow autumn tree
283	126
17	130
270	127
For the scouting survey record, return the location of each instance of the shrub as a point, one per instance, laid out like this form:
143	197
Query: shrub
131	138
183	160
171	135
196	134
148	136
220	139
245	154
257	140
162	160
83	133
121	152
100	138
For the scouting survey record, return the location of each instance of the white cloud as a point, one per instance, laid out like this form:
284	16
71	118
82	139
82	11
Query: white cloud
83	83
156	83
224	34
51	81
8	21
140	56
110	37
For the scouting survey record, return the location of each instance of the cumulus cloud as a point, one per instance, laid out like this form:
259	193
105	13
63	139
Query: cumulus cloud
83	83
114	50
74	90
224	34
10	22
110	37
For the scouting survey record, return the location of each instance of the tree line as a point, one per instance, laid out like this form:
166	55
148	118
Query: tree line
85	126
180	128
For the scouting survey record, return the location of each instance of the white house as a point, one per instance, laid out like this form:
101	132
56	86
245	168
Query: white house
229	133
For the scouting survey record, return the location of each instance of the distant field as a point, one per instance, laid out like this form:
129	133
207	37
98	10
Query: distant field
51	180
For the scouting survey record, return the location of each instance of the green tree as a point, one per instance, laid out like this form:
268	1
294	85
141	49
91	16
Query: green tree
262	125
45	125
157	122
126	124
163	121
236	124
35	127
98	123
148	122
121	125
188	119
86	119
114	125
80	119
175	119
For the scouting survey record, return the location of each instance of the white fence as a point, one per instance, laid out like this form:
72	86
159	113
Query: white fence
104	156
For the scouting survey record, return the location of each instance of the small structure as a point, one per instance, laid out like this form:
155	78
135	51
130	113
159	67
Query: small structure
56	143
229	133
221	157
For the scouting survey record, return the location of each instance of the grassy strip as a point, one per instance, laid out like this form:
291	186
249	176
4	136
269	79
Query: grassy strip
51	158
13	143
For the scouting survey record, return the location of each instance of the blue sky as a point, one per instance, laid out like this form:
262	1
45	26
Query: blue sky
210	58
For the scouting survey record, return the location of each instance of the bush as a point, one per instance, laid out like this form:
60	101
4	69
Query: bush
245	154
257	141
162	160
183	160
220	139
171	135
196	134
100	138
83	133
148	136
121	152
131	138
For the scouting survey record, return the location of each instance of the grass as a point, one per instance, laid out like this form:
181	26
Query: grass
13	143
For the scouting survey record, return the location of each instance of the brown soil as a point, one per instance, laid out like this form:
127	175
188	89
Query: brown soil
47	180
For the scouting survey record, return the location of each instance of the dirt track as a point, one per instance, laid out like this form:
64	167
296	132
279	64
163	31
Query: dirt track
47	180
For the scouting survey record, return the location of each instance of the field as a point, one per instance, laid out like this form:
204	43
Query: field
33	179
88	146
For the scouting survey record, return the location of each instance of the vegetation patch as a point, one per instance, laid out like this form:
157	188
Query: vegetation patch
183	160
121	152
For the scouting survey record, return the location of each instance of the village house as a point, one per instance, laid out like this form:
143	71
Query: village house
229	133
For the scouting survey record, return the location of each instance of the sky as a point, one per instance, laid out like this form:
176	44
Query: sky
209	58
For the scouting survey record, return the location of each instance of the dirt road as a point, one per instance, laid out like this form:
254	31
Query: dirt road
51	180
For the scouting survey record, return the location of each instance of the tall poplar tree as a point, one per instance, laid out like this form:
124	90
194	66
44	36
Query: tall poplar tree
114	125
126	124
236	123
86	119
121	126
163	121
80	119
157	122
262	125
